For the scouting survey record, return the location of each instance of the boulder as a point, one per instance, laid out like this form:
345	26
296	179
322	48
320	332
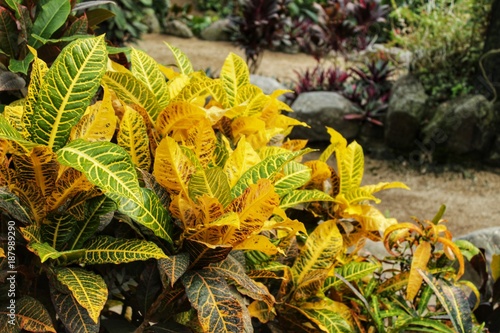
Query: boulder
267	84
217	31
151	21
319	109
405	113
463	127
178	28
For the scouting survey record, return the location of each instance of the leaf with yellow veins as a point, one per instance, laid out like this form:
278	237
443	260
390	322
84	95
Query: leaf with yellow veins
67	186
179	116
242	158
99	121
212	182
350	166
176	85
258	242
320	250
172	169
234	75
14	115
38	70
40	167
88	288
183	63
145	69
255	206
30	316
201	140
420	259
133	137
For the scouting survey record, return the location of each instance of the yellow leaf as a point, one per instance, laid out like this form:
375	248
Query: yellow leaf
495	266
383	186
254	207
320	172
234	75
172	169
244	126
201	140
242	158
258	242
420	259
261	311
98	123
337	144
350	165
178	117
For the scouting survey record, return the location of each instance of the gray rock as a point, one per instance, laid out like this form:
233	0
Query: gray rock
178	28
487	238
217	31
461	127
267	84
151	21
405	113
319	109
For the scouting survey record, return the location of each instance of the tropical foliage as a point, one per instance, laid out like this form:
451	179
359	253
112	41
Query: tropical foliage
158	199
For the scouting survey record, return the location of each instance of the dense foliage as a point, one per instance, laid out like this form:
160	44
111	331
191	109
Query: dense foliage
172	195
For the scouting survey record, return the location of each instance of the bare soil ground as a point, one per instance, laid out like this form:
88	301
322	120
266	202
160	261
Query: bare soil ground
472	196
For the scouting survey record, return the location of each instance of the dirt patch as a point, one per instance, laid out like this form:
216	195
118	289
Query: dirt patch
471	195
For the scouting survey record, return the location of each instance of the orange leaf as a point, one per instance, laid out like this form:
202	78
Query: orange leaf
421	257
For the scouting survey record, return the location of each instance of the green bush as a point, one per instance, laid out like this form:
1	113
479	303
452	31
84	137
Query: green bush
446	39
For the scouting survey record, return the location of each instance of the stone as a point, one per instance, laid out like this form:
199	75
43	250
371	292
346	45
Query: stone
463	127
178	28
494	154
267	84
151	21
405	113
320	109
217	31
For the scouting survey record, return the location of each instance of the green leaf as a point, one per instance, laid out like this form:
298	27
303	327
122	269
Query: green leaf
351	271
67	89
297	197
89	289
51	15
98	212
148	211
266	169
75	317
58	229
320	250
174	266
46	252
9	133
21	66
29	315
146	70
295	175
133	91
327	320
8	33
212	182
105	164
453	301
183	63
106	249
425	325
209	294
9	203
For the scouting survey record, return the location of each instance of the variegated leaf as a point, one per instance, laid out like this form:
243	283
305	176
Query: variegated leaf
58	229
202	254
234	76
337	143
172	168
212	182
14	115
9	203
350	164
146	210
297	197
67	186
9	133
255	206
258	243
183	62
266	169
89	289
29	315
74	316
32	199
174	266
201	140
132	91
232	269
241	159
321	248
179	116
327	319
46	252
67	89
105	249
99	121
294	176
310	286
145	68
133	137
38	71
209	294
420	258
352	271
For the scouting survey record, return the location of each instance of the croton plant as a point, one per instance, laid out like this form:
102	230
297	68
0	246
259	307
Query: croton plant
157	199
